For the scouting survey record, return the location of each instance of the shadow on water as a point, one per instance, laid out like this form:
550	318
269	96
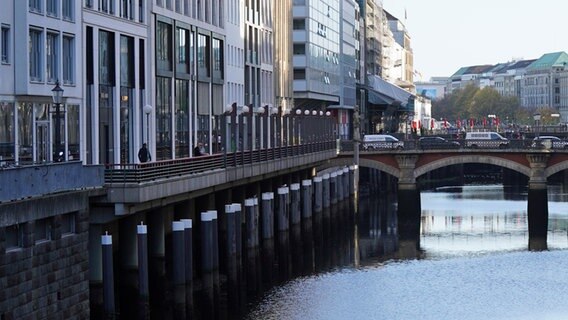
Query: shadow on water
356	234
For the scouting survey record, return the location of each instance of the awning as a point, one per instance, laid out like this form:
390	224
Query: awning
383	92
338	106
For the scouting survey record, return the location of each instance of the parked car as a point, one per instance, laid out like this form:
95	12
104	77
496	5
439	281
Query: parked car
437	143
485	140
549	142
381	141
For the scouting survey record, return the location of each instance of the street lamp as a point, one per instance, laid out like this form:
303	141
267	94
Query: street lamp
57	93
147	110
536	118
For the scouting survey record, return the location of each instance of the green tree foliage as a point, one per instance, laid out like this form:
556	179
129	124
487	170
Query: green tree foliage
472	102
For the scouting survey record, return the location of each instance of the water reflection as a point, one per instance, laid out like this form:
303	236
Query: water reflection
461	225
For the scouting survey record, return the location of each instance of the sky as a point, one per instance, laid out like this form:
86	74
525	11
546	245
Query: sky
449	34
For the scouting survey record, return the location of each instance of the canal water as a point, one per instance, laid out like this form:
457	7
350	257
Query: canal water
473	263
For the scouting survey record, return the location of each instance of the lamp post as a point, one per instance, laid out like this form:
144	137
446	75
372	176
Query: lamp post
536	118
57	92
147	110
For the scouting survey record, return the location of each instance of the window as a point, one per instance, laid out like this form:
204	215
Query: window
163	46
5	38
89	4
51	48
68	59
51	8
35	43
67	10
14	237
67	224
299	24
217	55
35	5
182	48
106	6
203	55
299	48
42	230
299	74
126	9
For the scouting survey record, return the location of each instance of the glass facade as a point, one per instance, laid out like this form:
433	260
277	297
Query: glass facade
163	119
182	118
7	134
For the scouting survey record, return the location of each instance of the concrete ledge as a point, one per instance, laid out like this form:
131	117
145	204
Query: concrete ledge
163	188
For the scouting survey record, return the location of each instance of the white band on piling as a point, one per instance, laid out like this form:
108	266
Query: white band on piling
345	170
295	186
317	179
229	208
249	202
325	176
206	216
142	229
255	201
352	167
306	182
283	190
237	207
187	223
268	196
106	239
178	226
339	173
213	214
333	175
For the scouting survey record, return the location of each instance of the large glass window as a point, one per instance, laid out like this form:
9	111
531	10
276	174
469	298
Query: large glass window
5	38
107	80
106	6
163	118
126	98
73	132
182	118
191	52
182	48
52	65
218	57
68	59
25	135
164	46
35	48
203	55
7	130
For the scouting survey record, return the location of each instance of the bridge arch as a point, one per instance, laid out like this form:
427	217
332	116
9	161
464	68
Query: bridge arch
373	164
463	159
554	169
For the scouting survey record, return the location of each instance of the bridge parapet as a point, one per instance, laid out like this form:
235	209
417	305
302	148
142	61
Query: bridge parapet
538	164
407	164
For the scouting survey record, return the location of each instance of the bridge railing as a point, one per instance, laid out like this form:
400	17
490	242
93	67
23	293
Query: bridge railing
144	172
460	144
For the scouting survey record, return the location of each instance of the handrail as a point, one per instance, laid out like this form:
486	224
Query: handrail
144	172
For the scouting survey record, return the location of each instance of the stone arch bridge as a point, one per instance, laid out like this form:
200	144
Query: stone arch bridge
408	165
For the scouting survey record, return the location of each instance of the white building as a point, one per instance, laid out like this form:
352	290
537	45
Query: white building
30	70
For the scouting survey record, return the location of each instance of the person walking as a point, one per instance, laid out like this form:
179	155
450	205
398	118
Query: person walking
144	154
199	150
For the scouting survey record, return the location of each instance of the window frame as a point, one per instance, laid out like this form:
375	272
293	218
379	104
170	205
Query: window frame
5	43
68	56
36	70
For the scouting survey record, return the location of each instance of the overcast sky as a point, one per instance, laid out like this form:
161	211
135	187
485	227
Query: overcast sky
449	34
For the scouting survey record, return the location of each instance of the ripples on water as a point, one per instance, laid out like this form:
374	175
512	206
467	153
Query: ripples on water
475	265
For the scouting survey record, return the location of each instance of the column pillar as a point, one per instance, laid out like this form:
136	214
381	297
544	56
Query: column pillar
326	190
295	203
306	199
409	207
318	194
538	202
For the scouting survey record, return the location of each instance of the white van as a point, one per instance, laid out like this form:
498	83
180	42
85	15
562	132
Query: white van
485	140
381	141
